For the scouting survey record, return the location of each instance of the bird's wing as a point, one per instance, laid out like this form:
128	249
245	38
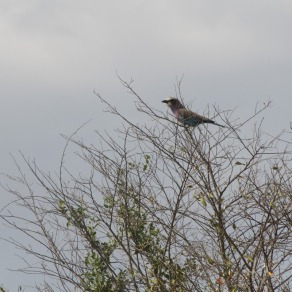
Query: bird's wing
188	116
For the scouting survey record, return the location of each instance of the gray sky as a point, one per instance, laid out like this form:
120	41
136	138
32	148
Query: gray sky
54	53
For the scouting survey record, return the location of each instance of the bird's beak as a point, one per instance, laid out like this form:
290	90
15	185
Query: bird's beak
165	101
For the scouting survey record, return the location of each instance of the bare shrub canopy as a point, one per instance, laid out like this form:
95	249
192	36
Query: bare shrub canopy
165	208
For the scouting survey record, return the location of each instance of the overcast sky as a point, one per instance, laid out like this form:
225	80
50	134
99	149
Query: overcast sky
55	53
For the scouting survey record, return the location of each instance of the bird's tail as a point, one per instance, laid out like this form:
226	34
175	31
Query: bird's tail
219	125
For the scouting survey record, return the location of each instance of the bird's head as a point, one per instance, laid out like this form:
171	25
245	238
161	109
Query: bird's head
173	103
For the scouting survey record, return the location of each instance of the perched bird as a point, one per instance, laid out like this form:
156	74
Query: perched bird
185	116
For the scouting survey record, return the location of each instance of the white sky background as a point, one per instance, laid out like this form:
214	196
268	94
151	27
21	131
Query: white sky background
54	53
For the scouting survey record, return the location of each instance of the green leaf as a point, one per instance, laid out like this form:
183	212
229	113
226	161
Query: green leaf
210	261
202	200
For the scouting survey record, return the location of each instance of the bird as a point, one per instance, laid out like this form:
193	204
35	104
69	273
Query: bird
185	116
